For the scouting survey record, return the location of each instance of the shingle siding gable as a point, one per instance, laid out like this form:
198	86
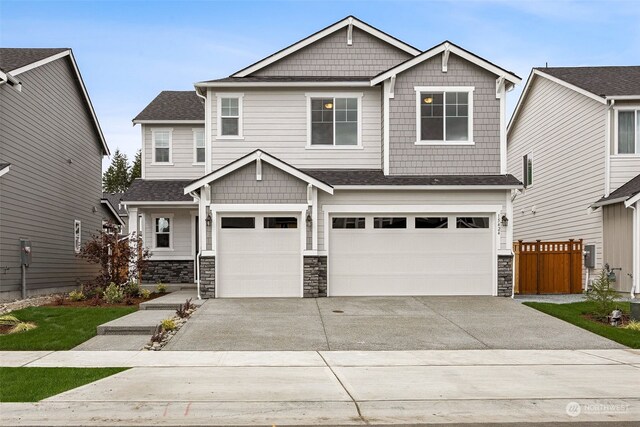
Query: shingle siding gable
331	56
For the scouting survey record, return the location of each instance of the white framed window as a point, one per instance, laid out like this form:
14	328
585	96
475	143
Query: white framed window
527	170
198	146
163	231
334	120
444	115
230	115
162	141
627	131
77	235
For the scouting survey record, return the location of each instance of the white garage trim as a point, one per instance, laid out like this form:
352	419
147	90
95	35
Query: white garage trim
492	210
257	209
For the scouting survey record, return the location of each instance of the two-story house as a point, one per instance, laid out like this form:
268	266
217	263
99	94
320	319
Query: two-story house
574	140
50	189
349	163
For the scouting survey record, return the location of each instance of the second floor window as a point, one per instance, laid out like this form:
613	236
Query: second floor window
230	116
334	121
161	146
444	115
527	170
629	132
198	146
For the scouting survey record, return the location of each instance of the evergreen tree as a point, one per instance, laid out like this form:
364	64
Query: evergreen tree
136	168
116	177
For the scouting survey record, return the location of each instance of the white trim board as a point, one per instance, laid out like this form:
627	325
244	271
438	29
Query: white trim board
5	170
441	48
285	84
346	22
107	203
168	122
427	187
253	157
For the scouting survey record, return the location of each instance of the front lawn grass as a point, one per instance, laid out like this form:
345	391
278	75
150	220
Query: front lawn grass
60	328
34	384
574	313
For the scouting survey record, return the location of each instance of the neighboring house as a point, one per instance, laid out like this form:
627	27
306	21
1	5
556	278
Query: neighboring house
349	163
574	140
51	194
113	202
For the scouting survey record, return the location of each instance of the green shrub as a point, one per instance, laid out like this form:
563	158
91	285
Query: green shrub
161	288
16	324
113	294
131	289
603	296
77	295
168	324
145	293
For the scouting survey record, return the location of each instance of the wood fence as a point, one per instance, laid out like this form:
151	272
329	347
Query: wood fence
548	267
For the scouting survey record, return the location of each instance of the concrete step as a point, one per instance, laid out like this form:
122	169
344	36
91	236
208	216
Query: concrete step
142	322
171	287
171	301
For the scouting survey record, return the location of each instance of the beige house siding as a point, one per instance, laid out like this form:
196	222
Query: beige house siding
48	136
408	197
618	241
276	122
182	153
331	56
556	124
623	169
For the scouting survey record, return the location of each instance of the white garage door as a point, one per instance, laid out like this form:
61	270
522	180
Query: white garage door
416	254
259	256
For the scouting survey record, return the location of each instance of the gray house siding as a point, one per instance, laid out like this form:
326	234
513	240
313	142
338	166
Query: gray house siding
618	243
554	124
331	56
48	136
408	158
276	186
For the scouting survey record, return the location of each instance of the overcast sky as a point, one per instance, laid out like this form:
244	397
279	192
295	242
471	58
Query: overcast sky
129	51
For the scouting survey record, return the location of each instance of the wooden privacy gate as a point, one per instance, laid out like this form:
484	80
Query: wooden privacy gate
548	267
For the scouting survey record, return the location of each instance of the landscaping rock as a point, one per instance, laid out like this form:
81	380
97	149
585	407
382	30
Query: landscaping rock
8	307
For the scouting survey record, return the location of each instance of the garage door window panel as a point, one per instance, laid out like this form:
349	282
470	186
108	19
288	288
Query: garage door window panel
475	222
432	222
238	222
348	223
280	222
390	222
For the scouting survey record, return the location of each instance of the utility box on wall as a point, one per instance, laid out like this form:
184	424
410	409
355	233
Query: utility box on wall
590	256
25	252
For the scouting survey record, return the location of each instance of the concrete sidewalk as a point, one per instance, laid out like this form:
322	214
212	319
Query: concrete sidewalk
334	388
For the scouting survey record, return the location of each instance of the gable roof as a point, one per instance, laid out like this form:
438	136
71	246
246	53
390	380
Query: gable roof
622	194
349	20
15	61
440	48
253	157
115	200
610	81
171	105
157	190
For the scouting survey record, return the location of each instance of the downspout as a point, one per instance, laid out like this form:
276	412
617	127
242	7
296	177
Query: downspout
607	146
199	254
514	195
635	242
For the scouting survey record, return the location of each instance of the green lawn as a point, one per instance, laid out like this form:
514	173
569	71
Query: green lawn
573	313
60	328
34	384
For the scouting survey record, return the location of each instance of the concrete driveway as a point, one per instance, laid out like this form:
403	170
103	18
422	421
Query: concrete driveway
378	323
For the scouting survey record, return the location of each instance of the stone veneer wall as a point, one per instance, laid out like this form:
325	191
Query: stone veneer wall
208	277
315	277
169	271
505	275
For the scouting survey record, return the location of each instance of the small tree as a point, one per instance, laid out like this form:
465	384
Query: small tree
116	178
136	168
603	296
118	260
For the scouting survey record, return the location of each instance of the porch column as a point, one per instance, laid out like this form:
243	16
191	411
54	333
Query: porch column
135	233
635	251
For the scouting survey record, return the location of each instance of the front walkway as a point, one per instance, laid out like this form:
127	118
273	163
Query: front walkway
378	323
332	388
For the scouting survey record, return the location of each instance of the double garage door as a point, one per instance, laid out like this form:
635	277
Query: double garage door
411	255
260	255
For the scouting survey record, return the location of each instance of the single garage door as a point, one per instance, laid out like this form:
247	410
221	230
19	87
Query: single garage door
417	254
259	256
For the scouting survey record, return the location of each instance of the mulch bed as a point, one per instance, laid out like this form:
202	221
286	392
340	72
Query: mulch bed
623	320
92	302
4	329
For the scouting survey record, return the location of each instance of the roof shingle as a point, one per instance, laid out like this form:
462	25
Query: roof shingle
114	199
151	190
625	192
13	58
601	81
335	177
174	105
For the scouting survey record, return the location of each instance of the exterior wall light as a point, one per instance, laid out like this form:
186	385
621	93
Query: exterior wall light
504	220
208	220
